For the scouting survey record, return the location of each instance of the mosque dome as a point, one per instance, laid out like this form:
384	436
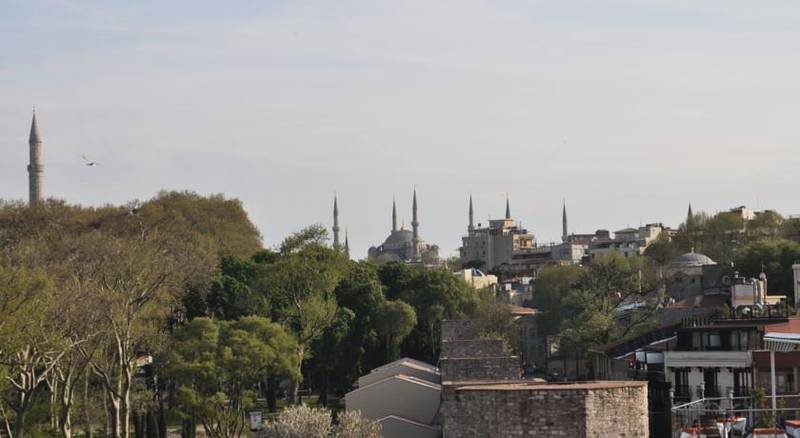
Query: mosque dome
399	237
693	259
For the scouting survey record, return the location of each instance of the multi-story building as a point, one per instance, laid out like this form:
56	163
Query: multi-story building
724	356
630	242
531	260
494	245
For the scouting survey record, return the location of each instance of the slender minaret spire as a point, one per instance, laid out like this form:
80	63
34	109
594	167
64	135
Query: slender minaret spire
335	222
394	215
471	215
508	208
415	226
689	214
36	166
346	244
564	229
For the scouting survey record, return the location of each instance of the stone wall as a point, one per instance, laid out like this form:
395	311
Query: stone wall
614	411
472	348
480	368
608	409
458	330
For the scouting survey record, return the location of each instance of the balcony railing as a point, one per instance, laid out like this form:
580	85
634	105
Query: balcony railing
742	392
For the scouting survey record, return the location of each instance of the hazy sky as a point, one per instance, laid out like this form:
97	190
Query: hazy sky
628	109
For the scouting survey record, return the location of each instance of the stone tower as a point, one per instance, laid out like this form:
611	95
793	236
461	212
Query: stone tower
415	227
471	216
564	229
36	166
394	216
335	222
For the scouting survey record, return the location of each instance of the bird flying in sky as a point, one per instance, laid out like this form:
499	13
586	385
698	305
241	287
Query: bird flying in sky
88	162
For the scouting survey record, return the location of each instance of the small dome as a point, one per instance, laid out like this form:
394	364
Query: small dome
693	259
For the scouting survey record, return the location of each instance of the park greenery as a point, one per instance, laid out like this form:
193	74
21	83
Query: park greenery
127	320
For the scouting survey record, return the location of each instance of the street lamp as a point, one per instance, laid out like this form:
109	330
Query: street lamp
781	342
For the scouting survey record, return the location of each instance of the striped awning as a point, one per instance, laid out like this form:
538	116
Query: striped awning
782	342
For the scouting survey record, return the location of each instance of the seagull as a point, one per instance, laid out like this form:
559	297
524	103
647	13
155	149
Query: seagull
89	163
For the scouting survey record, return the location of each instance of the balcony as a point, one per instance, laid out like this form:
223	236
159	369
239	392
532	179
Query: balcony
708	359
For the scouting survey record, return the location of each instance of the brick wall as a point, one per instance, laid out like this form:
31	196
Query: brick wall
472	348
480	368
458	329
607	409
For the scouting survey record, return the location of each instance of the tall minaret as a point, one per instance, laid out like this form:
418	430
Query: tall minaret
471	216
415	226
508	208
564	230
335	222
36	166
346	244
689	214
394	216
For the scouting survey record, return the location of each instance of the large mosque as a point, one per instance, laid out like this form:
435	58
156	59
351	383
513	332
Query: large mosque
402	244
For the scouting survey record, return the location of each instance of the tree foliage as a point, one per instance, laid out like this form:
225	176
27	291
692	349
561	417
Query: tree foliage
773	257
217	366
394	321
121	272
610	299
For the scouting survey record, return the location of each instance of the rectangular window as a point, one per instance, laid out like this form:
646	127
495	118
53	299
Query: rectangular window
714	340
784	380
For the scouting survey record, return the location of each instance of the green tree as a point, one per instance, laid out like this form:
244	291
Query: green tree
328	364
614	297
394	321
495	321
30	344
435	294
790	229
773	257
766	225
360	290
663	250
217	366
550	288
299	283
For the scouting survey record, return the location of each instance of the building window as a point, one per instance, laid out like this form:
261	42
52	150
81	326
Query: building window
697	341
784	380
714	340
682	384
